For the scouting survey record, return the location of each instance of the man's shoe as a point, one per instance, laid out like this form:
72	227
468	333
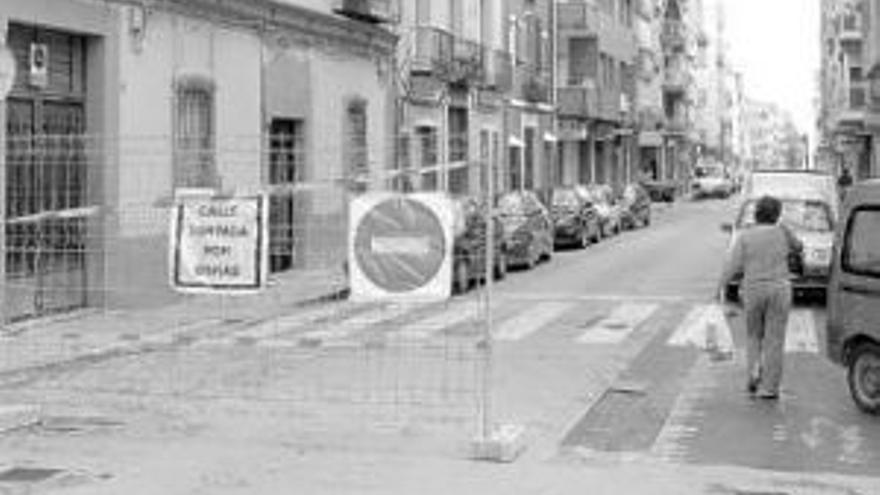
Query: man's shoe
767	395
752	385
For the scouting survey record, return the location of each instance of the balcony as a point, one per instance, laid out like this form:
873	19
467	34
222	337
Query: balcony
369	11
674	34
497	70
677	125
581	100
431	52
535	84
578	18
858	96
467	65
851	29
677	79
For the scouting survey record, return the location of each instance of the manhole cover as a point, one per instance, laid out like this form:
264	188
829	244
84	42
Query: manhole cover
27	475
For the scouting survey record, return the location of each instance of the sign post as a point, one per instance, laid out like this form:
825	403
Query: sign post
219	245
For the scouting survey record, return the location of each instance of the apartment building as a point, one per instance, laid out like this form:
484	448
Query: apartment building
117	108
682	40
597	71
455	72
773	140
649	87
847	55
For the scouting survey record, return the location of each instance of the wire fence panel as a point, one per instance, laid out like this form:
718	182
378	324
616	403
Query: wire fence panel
89	309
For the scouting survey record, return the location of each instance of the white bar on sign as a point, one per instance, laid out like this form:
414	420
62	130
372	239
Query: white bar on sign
530	321
619	324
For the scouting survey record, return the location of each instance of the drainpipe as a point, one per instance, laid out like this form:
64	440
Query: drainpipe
3	46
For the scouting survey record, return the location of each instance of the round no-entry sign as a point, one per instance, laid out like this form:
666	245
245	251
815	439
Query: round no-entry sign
400	248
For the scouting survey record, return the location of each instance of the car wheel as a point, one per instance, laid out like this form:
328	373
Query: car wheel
864	377
461	277
648	221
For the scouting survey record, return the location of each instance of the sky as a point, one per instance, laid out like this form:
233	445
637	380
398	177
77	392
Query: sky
775	43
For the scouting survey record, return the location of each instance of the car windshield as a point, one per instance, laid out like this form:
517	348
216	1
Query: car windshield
565	199
813	216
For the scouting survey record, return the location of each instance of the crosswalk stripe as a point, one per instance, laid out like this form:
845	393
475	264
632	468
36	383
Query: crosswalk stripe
704	327
801	333
619	324
357	323
530	321
277	326
425	328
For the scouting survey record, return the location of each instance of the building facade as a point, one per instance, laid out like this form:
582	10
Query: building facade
597	73
119	108
845	131
772	138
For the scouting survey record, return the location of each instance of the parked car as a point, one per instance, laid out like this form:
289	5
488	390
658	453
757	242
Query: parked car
469	246
711	181
784	182
660	190
607	206
575	219
811	220
636	207
853	333
528	228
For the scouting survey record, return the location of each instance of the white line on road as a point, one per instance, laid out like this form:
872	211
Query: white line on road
530	321
358	323
274	327
619	324
800	335
451	316
704	327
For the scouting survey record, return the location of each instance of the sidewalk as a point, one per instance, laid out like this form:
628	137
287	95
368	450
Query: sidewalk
98	333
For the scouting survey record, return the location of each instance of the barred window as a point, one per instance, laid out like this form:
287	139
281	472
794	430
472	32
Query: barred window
356	151
194	135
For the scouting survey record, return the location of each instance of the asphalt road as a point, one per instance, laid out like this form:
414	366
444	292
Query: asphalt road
608	354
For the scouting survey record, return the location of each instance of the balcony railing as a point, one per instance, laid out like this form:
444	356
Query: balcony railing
579	17
674	33
676	79
677	124
467	62
535	84
581	100
498	70
858	96
432	51
371	11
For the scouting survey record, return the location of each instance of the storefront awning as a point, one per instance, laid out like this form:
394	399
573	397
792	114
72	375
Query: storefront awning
515	141
550	137
650	139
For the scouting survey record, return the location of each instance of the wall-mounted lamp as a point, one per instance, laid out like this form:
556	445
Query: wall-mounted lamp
137	26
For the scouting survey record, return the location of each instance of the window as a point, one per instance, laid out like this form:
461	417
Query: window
285	145
529	175
194	135
458	134
356	152
861	253
426	139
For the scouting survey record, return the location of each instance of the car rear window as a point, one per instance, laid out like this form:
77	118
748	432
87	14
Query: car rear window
512	204
813	216
862	245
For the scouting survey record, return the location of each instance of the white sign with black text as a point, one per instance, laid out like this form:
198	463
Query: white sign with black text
219	245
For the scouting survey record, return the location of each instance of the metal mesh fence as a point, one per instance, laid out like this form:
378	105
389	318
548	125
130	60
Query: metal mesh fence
89	310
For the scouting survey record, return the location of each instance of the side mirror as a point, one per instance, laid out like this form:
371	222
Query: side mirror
727	228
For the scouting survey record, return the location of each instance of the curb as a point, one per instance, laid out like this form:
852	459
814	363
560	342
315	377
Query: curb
20	376
18	416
